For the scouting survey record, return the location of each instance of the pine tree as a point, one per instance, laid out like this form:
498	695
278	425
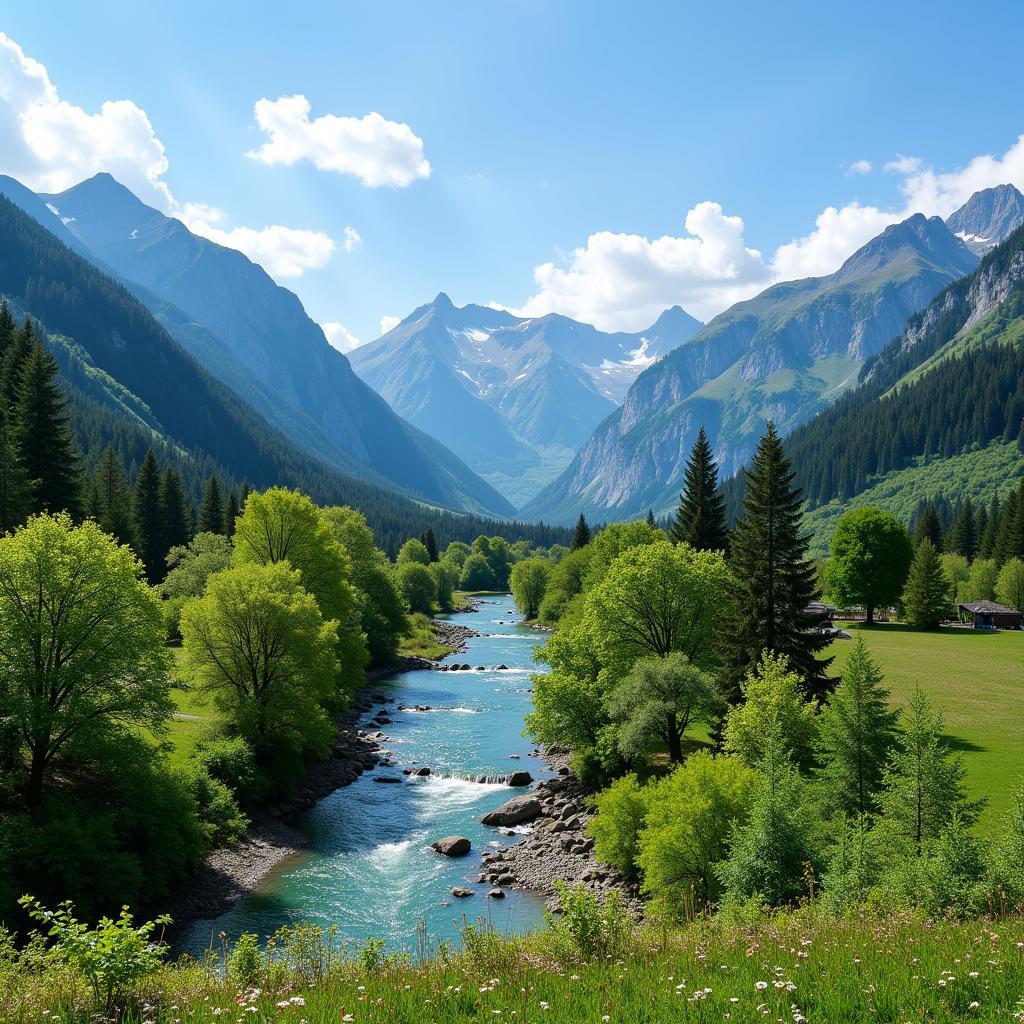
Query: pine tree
45	442
700	518
430	543
231	514
15	486
149	521
175	513
856	731
926	596
581	535
964	535
8	326
113	500
928	527
651	521
987	544
16	353
773	583
211	512
1006	531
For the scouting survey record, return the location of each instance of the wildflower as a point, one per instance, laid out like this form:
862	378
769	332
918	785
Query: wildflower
297	1001
544	1006
760	985
973	1005
283	1005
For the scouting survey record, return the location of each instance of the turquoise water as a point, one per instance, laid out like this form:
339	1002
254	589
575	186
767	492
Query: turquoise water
369	868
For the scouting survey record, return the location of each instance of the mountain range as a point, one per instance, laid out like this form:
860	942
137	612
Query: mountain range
255	336
784	355
514	397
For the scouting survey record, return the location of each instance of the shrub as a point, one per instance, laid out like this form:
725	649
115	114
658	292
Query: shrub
418	586
231	760
621	810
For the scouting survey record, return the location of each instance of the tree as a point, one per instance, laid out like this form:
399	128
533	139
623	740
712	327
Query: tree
981	581
46	444
189	567
1010	584
1008	537
581	535
476	573
15	356
616	828
529	580
700	518
446	579
413	551
658	599
418	586
174	510
148	516
773	705
650	520
928	527
987	542
658	701
923	783
690	817
15	487
457	552
430	543
113	500
280	525
871	556
211	511
258	647
83	646
773	583
957	571
926	595
856	730
499	558
231	515
964	535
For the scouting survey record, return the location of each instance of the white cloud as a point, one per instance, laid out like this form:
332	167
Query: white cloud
340	337
374	150
859	167
50	144
352	240
903	164
388	323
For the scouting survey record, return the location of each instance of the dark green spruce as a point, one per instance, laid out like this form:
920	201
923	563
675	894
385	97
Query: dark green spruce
211	512
700	518
581	535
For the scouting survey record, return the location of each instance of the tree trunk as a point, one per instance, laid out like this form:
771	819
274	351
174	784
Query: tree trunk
34	792
870	617
675	747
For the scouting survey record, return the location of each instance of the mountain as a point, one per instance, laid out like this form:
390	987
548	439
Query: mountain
784	355
130	384
988	217
514	397
255	335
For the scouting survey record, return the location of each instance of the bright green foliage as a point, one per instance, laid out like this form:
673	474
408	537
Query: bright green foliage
457	552
772	581
189	567
413	551
1010	584
46	444
581	534
691	815
854	867
174	510
257	646
499	558
700	518
656	599
566	583
621	811
923	783
981	583
770	850
611	542
958	571
477	574
230	760
418	586
871	555
82	647
446	579
856	730
381	605
658	701
114	956
1006	857
114	500
926	595
211	511
775	710
148	518
282	525
529	580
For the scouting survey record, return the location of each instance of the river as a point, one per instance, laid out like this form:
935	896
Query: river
369	868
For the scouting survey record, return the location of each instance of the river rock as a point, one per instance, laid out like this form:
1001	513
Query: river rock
386	778
514	812
520	779
452	846
496	894
461	893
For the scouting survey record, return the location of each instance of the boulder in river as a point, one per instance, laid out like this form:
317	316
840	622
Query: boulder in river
461	893
452	846
520	779
496	894
386	778
514	812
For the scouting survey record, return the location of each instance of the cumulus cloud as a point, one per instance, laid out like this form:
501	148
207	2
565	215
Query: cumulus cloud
352	240
374	150
340	337
388	323
50	144
859	167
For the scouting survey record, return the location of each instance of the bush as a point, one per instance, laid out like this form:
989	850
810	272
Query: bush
220	819
418	586
231	760
597	928
621	810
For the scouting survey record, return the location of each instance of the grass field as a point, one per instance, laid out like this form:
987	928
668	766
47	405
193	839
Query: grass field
977	679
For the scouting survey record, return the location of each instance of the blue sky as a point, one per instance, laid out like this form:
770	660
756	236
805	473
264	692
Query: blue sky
573	137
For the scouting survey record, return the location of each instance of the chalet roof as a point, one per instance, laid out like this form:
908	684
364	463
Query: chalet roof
987	608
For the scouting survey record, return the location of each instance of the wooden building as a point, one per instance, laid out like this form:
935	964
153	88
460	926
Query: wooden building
989	615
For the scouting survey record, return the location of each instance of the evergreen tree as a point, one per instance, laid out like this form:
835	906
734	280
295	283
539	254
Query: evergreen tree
855	732
148	515
651	521
987	543
8	326
773	583
112	499
16	353
45	442
964	535
15	486
581	535
211	512
430	543
700	518
174	511
926	596
928	527
1006	531
231	514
